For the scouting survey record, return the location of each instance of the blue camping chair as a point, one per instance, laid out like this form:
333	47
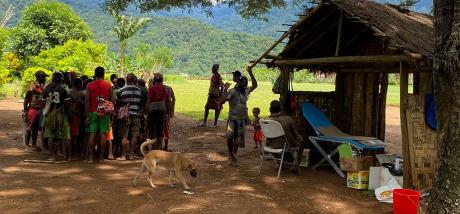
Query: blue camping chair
325	131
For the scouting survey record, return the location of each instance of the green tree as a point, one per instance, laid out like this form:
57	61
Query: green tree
75	55
246	8
4	33
45	24
126	27
146	61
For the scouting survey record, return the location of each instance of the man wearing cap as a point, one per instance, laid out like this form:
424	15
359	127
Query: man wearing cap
33	103
57	127
237	98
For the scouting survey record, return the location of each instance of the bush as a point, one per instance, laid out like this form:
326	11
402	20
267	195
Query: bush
28	76
75	55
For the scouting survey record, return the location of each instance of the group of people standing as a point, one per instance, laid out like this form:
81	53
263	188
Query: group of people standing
76	113
125	111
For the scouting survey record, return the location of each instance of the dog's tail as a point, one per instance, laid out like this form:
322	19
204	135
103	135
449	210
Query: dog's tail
144	146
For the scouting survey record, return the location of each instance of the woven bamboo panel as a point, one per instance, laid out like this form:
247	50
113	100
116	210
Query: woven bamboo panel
324	101
422	144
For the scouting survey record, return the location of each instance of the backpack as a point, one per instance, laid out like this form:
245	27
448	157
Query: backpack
124	112
160	106
104	106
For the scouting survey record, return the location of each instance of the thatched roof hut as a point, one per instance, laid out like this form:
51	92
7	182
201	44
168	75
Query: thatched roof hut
362	42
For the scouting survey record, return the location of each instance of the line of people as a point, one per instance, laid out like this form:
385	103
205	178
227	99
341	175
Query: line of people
80	117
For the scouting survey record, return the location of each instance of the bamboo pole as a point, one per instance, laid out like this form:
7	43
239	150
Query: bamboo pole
291	30
407	183
339	34
345	59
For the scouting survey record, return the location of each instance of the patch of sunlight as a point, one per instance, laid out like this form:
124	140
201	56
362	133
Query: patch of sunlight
16	192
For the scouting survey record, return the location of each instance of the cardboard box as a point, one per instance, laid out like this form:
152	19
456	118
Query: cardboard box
358	180
355	164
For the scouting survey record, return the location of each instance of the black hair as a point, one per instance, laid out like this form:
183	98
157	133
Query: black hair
120	82
99	72
86	82
57	77
113	76
256	109
84	78
141	82
131	78
275	106
77	83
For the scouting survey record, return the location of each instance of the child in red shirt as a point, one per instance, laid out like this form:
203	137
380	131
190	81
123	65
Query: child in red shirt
258	136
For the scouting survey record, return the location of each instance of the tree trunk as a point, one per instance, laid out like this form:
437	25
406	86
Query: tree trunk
122	57
445	194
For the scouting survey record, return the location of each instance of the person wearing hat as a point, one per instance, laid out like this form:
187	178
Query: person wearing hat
57	127
237	98
215	91
33	104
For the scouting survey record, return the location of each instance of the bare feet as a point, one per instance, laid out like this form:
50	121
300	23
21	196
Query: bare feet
122	158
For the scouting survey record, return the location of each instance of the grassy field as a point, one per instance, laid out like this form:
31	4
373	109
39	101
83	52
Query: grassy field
191	96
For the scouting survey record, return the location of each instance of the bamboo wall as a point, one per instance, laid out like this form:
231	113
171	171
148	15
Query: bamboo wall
360	103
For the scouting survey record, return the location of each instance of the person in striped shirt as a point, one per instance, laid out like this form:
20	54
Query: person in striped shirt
130	96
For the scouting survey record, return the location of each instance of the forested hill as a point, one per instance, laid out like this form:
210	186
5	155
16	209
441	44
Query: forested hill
197	41
195	44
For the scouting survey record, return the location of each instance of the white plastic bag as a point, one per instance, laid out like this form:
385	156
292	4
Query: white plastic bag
385	193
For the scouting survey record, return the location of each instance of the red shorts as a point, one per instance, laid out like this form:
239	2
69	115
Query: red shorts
75	124
258	136
32	119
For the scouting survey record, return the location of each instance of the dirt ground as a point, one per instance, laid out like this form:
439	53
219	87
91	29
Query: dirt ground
78	187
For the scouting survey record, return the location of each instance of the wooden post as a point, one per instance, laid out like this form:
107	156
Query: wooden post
345	60
285	81
404	75
339	34
383	104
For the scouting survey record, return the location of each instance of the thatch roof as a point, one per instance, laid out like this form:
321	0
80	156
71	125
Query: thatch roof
399	28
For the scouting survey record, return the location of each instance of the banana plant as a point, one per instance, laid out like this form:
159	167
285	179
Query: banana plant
125	28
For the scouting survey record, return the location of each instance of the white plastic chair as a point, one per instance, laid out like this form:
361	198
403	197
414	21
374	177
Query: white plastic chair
273	129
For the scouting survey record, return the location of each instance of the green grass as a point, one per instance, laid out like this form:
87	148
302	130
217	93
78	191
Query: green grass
191	96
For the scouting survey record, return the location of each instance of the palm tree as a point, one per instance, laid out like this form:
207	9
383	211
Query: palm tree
125	28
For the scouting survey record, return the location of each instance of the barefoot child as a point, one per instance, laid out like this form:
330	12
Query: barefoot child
258	136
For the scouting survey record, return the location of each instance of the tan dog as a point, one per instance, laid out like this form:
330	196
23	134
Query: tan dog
175	162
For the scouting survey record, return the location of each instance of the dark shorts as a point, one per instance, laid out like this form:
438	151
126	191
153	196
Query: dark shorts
128	126
235	130
156	124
